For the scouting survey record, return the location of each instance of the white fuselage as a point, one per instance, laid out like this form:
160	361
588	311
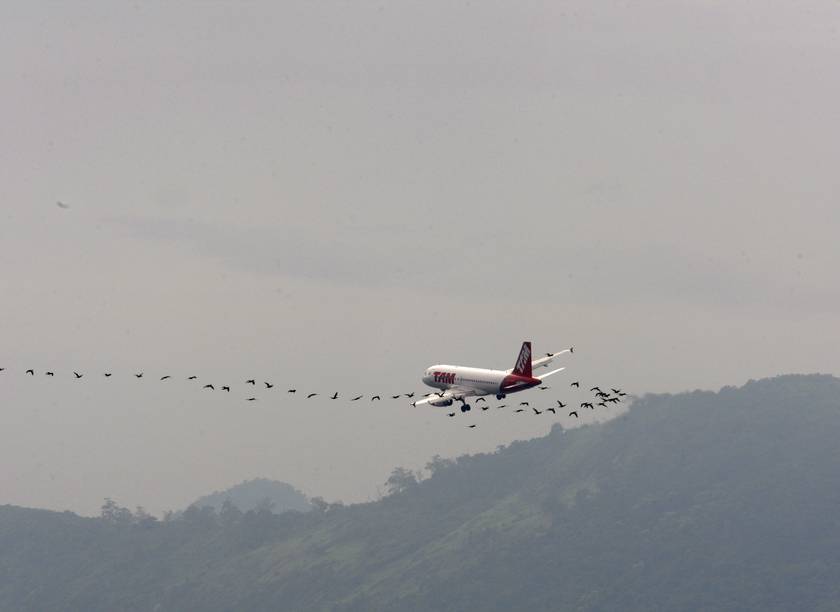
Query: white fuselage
451	377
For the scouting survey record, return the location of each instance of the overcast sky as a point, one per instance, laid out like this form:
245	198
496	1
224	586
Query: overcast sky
333	196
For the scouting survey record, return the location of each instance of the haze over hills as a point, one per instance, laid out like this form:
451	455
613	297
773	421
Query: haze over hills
257	494
719	501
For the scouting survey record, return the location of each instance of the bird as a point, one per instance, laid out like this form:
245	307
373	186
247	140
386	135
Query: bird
575	384
226	389
291	391
471	426
107	374
31	372
574	413
375	397
552	410
615	390
571	349
452	414
139	375
50	373
209	387
604	404
268	385
410	394
560	404
251	382
485	407
395	397
502	406
602	394
536	411
427	394
595	389
77	375
191	377
165	377
585	405
61	204
251	399
621	394
613	400
480	399
524	404
357	398
1	369
334	395
311	395
519	410
543	388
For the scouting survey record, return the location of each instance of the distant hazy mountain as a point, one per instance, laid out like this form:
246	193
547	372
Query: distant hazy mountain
697	501
258	493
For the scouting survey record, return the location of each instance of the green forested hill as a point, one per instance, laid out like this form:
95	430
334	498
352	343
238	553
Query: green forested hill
727	500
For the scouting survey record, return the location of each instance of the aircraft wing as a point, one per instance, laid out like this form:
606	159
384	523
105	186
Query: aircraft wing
450	394
543	362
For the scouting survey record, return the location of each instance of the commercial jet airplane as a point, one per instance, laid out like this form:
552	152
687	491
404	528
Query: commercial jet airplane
456	383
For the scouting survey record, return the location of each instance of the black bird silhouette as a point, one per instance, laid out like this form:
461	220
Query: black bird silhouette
226	389
575	384
50	373
615	390
77	375
427	394
524	404
621	394
502	406
410	394
311	395
602	394
604	404
191	377
585	405
595	389
139	375
395	397
107	374
544	388
334	395
571	349
209	387
165	377
357	398
560	404
613	400
438	393
251	382
251	399
485	407
536	411
1	369
480	399
552	410
375	397
452	414
31	372
268	385
471	426
519	410
574	413
291	391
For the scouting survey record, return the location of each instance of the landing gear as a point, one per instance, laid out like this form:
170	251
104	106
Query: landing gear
465	408
500	396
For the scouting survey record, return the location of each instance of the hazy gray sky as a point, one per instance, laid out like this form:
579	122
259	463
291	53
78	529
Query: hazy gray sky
333	196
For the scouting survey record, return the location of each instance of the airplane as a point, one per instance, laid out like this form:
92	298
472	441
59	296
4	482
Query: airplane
456	383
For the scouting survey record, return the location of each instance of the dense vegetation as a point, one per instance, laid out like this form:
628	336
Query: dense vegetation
727	500
256	494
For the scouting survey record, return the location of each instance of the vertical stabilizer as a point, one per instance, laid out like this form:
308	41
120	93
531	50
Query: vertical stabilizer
523	362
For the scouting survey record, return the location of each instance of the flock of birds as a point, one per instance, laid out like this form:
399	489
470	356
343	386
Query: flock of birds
601	397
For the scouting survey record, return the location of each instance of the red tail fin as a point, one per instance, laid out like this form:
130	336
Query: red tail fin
523	362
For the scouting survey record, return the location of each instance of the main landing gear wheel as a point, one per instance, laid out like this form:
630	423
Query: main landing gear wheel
465	408
500	396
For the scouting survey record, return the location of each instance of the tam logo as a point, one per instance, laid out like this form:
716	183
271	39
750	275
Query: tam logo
445	377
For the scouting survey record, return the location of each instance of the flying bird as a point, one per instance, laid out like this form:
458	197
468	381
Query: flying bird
552	410
226	389
396	396
519	410
107	374
560	404
480	399
31	372
616	391
502	406
291	391
410	394
471	426
334	395
251	399
524	404
452	414
536	411
61	204
251	382
575	384
167	377
357	398
543	388
139	375
50	373
485	407
191	377
595	389
311	395
209	387
77	375
268	385
574	413
375	397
